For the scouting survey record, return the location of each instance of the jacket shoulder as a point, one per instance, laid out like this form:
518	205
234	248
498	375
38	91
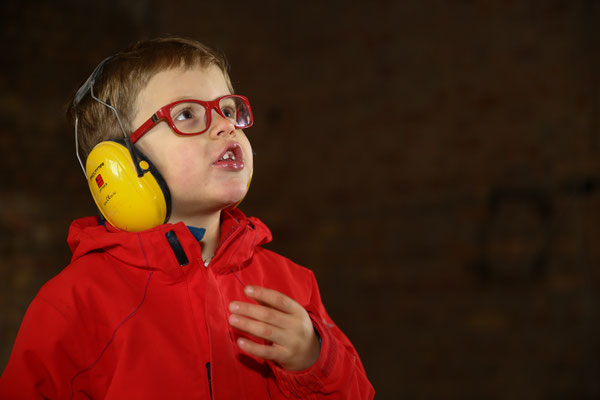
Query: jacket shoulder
88	284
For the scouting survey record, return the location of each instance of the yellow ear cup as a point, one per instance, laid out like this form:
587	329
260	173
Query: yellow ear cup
126	201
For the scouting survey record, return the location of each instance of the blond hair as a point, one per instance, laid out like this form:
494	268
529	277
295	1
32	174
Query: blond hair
122	80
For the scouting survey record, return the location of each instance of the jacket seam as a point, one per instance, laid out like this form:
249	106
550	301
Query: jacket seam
112	337
119	325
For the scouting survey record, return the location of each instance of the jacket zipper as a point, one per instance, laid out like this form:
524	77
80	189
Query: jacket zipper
209	379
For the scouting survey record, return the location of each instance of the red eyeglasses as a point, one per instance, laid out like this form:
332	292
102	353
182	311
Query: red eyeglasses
192	117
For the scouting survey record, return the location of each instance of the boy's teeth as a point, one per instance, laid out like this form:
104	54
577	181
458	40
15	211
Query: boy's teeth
228	155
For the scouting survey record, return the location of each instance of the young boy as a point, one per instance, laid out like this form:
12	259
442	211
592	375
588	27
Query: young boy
192	308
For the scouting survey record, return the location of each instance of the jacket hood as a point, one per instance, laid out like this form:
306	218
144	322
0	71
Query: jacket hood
156	249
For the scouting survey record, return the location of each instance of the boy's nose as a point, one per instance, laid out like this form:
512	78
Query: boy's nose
220	126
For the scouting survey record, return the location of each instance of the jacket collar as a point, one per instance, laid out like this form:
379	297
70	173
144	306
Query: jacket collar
153	248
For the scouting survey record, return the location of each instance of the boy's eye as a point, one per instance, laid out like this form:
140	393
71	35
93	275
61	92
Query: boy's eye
189	117
183	115
229	112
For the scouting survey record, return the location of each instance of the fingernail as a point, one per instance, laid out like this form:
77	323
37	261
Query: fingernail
233	307
249	289
241	342
233	319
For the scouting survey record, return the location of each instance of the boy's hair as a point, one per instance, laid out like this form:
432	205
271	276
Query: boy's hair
124	77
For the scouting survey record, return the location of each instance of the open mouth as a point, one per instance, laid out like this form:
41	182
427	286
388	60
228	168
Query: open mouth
231	157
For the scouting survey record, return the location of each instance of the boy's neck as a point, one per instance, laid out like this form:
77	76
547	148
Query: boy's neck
211	223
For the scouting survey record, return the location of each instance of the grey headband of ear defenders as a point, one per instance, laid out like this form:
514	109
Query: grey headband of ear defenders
87	86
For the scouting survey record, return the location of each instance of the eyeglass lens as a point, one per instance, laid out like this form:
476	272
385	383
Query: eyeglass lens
190	117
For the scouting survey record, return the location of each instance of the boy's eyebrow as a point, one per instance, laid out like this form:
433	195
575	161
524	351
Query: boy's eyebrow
178	98
174	99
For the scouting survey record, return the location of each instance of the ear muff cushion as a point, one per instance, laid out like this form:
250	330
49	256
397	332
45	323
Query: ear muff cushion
126	201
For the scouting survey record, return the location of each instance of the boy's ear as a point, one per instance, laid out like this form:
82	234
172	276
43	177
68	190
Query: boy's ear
130	198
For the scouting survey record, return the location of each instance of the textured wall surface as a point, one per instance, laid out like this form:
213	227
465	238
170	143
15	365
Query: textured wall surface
435	163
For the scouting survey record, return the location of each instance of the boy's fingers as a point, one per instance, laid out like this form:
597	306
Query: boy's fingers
262	351
257	329
272	298
260	313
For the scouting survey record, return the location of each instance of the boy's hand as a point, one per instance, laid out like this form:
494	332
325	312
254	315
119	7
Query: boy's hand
282	322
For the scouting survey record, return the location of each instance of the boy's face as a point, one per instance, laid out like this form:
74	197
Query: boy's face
200	181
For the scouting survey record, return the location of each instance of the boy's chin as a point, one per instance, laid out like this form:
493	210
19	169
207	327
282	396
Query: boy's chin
233	198
222	200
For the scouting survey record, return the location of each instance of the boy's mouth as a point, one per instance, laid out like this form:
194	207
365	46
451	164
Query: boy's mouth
231	158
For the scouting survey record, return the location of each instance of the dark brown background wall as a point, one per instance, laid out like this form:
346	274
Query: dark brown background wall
434	162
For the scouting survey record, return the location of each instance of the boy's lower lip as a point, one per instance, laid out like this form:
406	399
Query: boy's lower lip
229	165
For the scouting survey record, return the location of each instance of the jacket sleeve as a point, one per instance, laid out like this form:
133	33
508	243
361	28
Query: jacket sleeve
42	360
337	374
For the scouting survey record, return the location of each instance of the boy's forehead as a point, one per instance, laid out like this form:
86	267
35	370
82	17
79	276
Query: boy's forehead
178	81
167	86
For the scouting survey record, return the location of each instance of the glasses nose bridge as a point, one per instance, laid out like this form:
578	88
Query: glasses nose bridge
209	107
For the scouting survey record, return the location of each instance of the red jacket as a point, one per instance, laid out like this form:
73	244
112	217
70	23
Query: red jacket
138	316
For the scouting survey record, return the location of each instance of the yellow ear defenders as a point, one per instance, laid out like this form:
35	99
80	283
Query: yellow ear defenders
127	189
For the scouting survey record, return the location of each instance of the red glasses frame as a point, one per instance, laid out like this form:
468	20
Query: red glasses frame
164	114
